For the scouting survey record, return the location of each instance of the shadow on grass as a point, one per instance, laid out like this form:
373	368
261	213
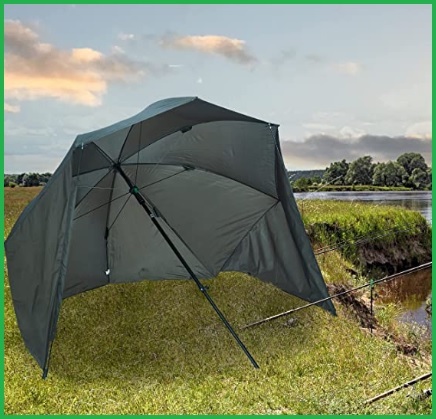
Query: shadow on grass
166	329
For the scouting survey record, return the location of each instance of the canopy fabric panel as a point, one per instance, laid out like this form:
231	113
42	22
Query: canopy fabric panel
37	251
209	206
264	253
228	148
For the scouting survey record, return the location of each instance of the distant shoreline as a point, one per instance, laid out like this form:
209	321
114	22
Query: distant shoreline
355	188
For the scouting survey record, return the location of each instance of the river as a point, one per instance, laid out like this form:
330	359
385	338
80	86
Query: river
412	291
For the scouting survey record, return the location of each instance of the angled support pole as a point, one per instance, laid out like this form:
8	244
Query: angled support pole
393	390
153	216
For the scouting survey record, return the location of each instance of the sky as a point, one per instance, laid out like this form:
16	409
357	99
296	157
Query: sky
342	81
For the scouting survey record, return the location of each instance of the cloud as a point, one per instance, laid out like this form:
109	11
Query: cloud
351	133
230	48
351	68
12	108
421	130
321	150
34	69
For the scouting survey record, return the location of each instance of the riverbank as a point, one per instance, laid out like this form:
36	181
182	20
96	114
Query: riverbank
356	242
156	347
376	239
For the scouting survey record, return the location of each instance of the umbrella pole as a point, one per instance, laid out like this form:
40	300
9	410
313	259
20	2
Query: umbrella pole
153	216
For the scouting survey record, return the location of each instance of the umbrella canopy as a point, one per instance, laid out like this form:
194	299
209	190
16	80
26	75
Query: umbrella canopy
183	189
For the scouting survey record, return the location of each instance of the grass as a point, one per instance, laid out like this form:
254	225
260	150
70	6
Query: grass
158	348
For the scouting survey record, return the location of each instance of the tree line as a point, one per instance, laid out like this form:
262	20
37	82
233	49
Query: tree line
409	171
26	179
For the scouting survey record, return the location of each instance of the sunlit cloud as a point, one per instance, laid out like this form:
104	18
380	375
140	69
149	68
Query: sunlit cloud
34	69
421	130
230	48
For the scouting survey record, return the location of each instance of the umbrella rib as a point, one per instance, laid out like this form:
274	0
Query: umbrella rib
125	141
91	188
139	148
94	170
116	218
101	206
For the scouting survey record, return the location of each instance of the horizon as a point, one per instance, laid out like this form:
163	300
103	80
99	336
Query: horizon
289	170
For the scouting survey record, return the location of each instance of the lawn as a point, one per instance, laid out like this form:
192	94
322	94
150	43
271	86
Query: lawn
158	348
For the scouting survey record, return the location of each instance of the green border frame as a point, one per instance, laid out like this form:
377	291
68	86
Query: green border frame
156	2
2	276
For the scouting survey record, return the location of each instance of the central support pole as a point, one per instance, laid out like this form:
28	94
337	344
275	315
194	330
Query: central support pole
154	216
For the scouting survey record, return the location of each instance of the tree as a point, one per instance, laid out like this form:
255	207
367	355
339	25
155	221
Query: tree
360	171
389	174
335	174
20	178
419	178
8	180
411	161
30	179
302	184
44	177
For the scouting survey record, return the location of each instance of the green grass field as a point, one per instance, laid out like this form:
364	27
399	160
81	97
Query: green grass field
158	348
